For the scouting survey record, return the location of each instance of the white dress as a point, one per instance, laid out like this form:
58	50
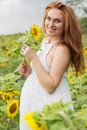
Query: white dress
33	96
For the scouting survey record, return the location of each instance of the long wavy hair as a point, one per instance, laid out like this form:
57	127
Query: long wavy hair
72	35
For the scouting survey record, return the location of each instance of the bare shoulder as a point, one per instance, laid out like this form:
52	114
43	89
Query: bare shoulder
61	48
61	56
62	52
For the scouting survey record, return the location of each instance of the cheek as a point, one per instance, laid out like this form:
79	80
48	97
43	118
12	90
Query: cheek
61	27
46	23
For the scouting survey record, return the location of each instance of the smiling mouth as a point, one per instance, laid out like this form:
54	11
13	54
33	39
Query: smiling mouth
51	30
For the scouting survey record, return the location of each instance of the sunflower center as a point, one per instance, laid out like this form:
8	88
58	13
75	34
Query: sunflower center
8	97
34	32
13	108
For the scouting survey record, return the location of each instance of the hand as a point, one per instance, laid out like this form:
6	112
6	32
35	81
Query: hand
24	69
28	52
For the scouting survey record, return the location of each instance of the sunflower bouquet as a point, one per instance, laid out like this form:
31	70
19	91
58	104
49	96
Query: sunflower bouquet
32	37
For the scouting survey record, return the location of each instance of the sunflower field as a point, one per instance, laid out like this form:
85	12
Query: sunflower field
52	117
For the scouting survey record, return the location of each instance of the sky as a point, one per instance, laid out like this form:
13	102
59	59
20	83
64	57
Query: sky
18	15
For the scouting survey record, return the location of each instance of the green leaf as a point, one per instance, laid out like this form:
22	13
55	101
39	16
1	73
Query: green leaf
57	126
3	108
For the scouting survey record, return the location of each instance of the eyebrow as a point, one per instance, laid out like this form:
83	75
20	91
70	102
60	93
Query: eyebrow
55	18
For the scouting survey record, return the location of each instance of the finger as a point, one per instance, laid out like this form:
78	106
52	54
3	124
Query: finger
22	52
26	44
23	49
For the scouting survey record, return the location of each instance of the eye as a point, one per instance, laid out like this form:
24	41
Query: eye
57	21
48	18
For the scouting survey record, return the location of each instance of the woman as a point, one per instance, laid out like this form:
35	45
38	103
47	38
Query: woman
47	73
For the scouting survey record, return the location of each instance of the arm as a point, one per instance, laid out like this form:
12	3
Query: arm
59	65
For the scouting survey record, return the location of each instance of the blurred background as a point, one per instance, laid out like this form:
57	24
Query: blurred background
18	15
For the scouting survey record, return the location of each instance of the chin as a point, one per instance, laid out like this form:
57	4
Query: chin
51	35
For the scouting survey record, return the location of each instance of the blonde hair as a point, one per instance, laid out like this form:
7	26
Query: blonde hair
72	35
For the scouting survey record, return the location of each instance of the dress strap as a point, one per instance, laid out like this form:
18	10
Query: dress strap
50	45
46	47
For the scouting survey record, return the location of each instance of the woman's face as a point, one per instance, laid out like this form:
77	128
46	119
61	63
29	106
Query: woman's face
54	23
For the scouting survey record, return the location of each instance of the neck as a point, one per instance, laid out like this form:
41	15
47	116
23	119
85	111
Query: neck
50	39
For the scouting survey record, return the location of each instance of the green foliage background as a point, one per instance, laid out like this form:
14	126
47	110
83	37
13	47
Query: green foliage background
10	53
83	23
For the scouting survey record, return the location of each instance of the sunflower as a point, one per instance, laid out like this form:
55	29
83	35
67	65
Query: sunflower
85	51
5	50
86	124
1	92
3	96
35	32
33	122
4	63
15	92
71	78
8	97
12	108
